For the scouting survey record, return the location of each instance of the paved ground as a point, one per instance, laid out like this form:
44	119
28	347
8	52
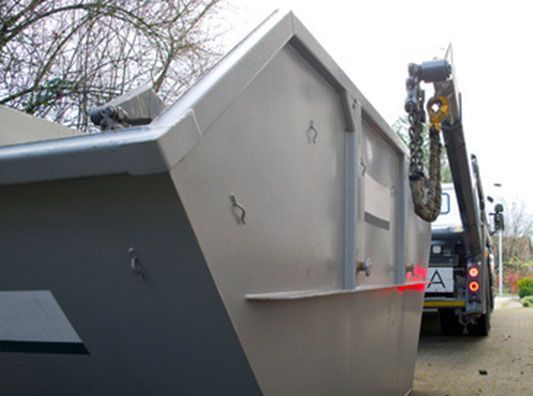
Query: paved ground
451	365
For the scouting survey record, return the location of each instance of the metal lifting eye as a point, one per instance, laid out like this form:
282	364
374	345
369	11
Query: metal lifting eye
136	266
312	133
237	205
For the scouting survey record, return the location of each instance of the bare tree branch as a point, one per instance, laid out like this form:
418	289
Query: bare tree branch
518	232
59	57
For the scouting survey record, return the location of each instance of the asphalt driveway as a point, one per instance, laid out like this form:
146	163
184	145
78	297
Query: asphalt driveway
500	364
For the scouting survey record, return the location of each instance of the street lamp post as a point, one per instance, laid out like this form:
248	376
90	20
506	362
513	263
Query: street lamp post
500	251
500	262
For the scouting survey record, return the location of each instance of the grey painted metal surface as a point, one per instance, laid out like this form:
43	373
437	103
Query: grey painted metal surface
242	231
170	335
17	127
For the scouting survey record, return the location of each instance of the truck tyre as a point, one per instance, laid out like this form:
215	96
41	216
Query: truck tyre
482	327
449	323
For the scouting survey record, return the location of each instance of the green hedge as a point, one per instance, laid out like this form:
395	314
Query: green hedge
527	301
525	287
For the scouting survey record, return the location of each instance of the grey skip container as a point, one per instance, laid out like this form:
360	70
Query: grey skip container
258	237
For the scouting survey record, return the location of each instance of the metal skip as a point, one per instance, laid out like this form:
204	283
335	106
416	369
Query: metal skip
253	238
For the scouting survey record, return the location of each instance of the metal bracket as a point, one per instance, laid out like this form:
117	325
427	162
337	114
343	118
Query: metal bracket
236	204
363	168
115	117
136	266
364	266
136	107
312	133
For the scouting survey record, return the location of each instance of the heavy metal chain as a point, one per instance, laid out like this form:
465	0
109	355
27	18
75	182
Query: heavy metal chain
426	192
416	117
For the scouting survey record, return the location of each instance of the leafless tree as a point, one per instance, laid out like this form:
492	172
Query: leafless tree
59	57
518	233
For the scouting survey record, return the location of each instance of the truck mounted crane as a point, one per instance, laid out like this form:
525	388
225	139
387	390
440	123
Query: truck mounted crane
460	272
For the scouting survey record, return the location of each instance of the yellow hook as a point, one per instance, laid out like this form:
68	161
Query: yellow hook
436	116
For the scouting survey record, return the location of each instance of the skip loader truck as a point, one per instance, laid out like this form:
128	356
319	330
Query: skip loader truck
461	271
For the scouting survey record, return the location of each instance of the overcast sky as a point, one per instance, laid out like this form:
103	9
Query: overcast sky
374	40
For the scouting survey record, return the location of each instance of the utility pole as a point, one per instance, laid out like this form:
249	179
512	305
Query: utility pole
500	262
500	249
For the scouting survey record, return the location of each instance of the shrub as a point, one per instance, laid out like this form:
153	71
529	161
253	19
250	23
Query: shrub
527	301
510	280
525	287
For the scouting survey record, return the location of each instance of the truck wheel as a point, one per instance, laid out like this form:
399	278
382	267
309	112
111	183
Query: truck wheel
482	327
449	323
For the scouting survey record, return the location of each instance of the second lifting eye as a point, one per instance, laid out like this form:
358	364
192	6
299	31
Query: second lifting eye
312	133
242	211
135	265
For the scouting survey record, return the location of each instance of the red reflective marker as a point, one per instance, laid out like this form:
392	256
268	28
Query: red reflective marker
473	286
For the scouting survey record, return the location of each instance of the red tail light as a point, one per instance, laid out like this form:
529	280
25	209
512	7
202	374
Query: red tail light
473	286
473	272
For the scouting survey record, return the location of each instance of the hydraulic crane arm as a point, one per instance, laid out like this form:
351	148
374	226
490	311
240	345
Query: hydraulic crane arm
448	119
465	187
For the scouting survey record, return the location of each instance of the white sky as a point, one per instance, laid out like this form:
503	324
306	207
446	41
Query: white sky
374	40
